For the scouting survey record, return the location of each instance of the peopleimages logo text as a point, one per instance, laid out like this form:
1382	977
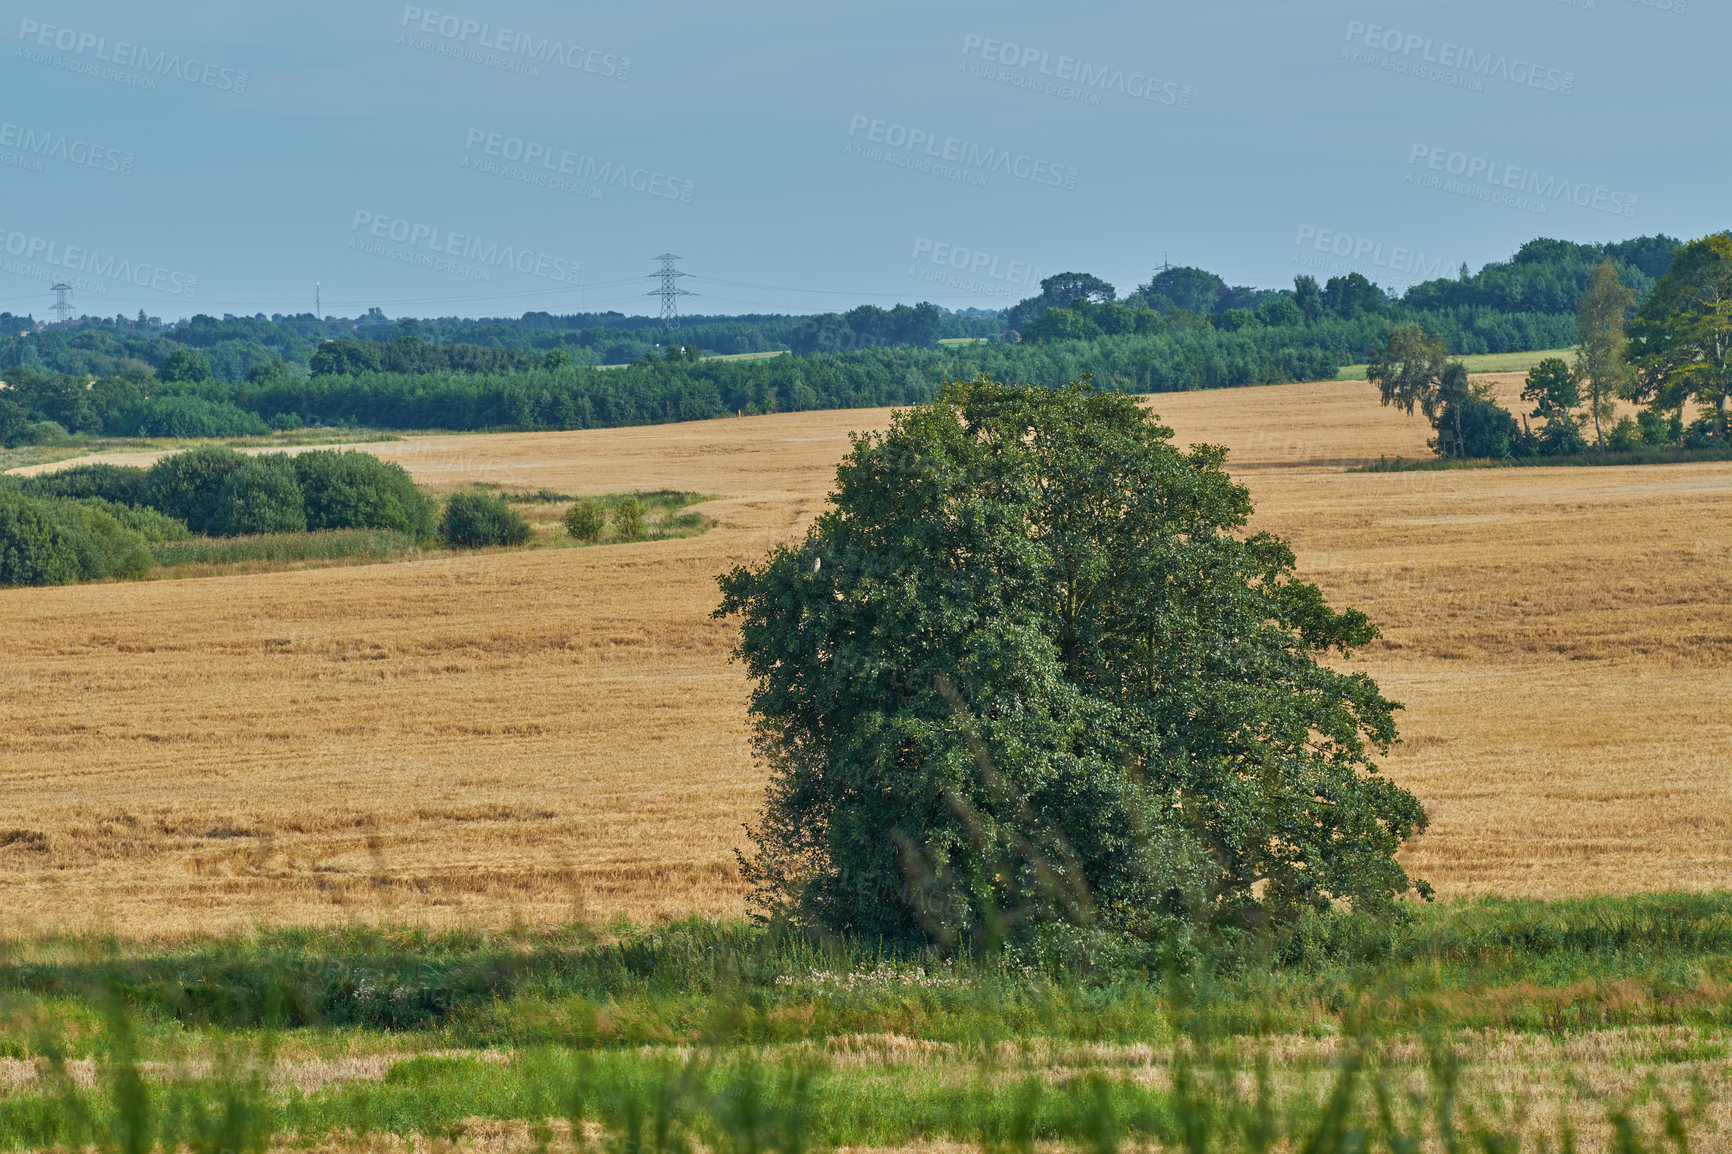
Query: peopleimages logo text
58	146
79	259
444	243
564	162
1523	182
1365	252
969	155
515	42
1073	70
1446	54
123	54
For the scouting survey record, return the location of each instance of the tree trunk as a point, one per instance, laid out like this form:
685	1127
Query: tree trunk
1460	441
1599	437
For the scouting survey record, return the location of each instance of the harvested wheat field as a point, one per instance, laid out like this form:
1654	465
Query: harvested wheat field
538	736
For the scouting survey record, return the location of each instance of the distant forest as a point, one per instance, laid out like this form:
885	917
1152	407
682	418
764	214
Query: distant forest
1185	328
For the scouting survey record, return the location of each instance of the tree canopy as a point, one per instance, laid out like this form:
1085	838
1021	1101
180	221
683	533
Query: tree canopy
1030	677
1681	339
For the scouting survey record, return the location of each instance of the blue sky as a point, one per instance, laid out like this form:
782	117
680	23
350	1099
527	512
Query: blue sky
486	158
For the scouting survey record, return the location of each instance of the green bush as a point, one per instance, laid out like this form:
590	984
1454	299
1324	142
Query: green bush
476	520
585	520
1658	429
186	486
359	491
33	549
1624	436
42	433
260	497
120	484
182	416
103	545
628	518
142	519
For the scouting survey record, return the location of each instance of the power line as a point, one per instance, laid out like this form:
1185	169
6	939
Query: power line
62	303
670	290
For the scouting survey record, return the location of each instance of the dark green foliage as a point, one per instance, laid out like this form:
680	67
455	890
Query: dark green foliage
101	540
1027	678
261	496
1681	337
186	486
1660	428
187	365
1487	428
1624	436
1193	289
1352	296
190	417
867	326
585	520
14	421
1546	276
1062	324
476	521
359	491
120	484
33	548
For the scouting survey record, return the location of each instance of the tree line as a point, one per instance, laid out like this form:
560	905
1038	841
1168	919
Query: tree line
1664	351
1185	328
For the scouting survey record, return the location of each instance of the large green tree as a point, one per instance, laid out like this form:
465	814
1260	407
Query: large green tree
1600	344
1681	339
1029	674
1414	371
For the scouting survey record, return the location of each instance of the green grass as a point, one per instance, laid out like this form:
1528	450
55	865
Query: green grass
740	1039
190	557
1479	363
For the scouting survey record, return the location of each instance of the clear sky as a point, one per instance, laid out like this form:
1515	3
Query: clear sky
488	157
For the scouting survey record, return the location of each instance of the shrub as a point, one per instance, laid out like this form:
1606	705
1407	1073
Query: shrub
628	519
585	520
194	417
1657	429
1560	436
1487	428
41	433
143	520
260	497
102	544
1624	436
476	520
186	485
33	549
359	491
120	484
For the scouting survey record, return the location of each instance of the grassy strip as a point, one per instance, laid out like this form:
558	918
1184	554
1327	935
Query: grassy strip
283	549
1644	455
1478	363
1586	964
741	1040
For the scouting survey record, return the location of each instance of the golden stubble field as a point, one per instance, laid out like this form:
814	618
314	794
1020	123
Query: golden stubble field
539	736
